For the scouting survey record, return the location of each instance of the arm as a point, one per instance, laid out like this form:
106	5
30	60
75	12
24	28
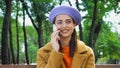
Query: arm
52	58
52	61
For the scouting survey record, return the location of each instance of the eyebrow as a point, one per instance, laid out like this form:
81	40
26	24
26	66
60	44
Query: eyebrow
69	19
66	19
59	20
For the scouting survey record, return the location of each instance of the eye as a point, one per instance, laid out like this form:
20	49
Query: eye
59	22
68	21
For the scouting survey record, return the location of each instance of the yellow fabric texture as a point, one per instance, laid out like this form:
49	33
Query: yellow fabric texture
48	58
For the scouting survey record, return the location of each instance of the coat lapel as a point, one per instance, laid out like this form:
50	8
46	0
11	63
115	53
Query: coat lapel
78	60
79	56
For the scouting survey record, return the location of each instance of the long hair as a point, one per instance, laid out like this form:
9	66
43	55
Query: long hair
72	43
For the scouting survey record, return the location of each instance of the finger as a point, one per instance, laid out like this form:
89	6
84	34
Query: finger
57	38
55	33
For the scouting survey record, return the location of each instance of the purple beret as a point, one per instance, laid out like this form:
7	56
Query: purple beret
74	13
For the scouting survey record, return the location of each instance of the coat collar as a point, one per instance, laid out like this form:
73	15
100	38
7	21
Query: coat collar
81	47
79	55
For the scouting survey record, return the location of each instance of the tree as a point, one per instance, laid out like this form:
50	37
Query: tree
108	45
38	11
5	29
11	44
47	30
17	33
25	38
92	28
80	25
94	19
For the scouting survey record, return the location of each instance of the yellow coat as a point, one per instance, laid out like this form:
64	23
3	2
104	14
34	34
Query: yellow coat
48	58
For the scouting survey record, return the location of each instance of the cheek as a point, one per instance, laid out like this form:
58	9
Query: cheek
58	27
72	27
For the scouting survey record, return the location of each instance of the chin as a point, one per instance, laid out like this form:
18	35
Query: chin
65	36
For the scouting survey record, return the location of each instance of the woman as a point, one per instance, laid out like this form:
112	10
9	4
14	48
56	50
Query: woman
65	50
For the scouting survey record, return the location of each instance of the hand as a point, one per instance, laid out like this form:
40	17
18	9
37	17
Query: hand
54	40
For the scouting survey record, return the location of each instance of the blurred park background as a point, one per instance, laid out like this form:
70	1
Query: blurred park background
24	28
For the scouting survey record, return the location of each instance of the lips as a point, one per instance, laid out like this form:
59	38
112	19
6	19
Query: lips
64	31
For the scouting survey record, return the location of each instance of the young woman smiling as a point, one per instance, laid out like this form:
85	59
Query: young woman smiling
65	50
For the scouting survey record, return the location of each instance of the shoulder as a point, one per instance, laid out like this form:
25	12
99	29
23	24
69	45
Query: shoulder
83	48
45	49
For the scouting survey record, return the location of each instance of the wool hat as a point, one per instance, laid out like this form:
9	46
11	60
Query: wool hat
72	12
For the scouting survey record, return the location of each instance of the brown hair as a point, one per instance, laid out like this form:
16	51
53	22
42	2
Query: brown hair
72	43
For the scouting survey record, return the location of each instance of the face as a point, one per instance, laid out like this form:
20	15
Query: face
65	24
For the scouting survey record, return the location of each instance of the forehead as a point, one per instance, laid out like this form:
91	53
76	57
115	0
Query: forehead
63	17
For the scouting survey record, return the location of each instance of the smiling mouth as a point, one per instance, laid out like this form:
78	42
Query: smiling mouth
64	31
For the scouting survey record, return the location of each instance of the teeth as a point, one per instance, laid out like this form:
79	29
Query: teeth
64	30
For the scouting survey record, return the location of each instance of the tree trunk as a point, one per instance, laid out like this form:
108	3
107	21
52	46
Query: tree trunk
35	26
11	44
69	3
80	32
17	33
39	28
25	38
60	2
25	7
5	29
92	29
80	26
40	39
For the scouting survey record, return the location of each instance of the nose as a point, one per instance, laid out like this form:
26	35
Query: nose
64	25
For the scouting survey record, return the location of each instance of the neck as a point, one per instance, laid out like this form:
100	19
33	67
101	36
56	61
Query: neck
65	41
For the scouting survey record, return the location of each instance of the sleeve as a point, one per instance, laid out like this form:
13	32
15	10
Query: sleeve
90	60
53	61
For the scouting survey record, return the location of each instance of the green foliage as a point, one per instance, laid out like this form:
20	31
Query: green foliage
113	46
1	21
47	30
32	51
107	44
107	40
31	35
40	9
16	7
43	1
32	43
2	5
14	35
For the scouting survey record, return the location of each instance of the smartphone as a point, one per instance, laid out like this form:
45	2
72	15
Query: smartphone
54	28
